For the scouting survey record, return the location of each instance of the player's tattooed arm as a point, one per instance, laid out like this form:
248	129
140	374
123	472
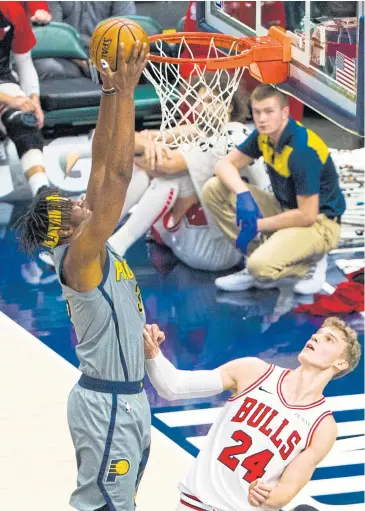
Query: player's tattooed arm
299	472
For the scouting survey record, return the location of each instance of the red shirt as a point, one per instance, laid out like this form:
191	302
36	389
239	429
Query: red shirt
16	35
14	16
32	7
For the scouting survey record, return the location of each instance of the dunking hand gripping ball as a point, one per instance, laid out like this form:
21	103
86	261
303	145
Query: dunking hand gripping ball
107	37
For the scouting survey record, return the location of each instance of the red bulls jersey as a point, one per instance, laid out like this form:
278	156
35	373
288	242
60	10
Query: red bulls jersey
256	435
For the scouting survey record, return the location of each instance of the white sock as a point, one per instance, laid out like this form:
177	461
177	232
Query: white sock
157	200
36	181
137	187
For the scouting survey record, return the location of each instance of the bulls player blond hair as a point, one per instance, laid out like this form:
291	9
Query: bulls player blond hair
275	428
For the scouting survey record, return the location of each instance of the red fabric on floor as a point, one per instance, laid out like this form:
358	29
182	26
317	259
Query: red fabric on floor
347	298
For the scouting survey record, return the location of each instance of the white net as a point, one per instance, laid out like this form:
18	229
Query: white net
194	100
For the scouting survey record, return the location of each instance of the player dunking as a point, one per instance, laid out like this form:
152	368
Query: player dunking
108	411
274	429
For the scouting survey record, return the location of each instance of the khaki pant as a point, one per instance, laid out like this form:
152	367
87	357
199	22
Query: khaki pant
284	253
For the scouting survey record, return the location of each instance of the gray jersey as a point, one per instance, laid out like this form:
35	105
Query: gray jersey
108	321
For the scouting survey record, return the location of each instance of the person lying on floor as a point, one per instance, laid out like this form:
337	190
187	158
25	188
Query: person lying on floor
172	203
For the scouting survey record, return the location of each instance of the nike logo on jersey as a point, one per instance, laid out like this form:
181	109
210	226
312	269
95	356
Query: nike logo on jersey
264	390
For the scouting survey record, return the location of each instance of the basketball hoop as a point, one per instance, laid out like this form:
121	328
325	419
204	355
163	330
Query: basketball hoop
195	106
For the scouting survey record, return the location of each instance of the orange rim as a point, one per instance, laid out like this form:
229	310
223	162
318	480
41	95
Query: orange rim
276	46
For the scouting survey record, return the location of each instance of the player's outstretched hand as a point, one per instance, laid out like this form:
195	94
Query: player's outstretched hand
258	493
127	74
152	338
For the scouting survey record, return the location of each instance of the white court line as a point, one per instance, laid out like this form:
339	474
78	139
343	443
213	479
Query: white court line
208	415
351	428
197	441
346	458
336	485
189	417
347	402
349	449
34	430
349	444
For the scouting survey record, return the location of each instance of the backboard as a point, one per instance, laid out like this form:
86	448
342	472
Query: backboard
327	67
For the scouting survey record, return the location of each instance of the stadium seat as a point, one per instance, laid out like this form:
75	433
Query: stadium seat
67	95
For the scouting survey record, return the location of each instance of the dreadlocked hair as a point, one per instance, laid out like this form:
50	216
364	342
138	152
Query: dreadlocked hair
36	223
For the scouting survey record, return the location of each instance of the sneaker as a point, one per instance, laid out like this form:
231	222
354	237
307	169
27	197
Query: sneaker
242	280
314	280
239	281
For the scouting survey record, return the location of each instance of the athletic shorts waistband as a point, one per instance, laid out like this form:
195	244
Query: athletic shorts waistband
109	386
194	503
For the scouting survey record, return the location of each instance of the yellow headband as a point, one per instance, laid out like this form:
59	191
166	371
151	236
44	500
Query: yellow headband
54	223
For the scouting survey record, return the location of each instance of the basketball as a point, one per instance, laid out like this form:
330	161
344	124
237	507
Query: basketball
107	37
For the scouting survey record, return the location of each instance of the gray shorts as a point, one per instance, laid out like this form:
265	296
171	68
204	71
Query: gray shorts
111	435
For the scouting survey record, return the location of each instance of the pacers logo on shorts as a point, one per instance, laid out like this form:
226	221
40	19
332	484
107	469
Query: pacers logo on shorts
117	468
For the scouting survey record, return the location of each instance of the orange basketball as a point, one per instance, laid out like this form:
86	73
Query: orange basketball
109	34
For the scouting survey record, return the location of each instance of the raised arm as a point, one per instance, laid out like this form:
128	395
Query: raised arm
101	141
87	244
172	383
298	473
